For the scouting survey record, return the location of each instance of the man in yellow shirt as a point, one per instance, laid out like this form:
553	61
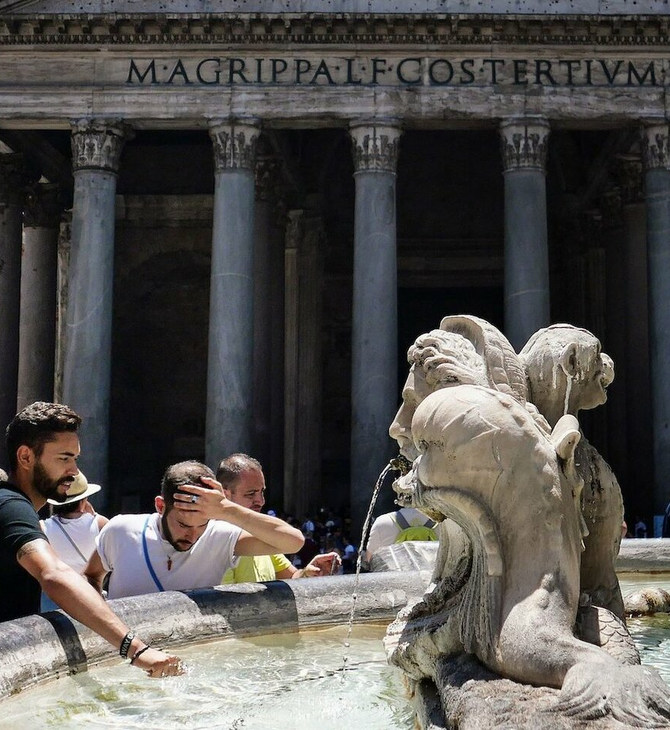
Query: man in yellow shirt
243	482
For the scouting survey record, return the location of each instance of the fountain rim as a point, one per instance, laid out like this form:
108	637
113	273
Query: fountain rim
45	647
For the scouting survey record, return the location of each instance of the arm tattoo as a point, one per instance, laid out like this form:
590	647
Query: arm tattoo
29	547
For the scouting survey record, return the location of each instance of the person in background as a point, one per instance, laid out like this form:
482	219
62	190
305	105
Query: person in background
194	536
405	524
243	482
3	476
640	527
42	449
73	528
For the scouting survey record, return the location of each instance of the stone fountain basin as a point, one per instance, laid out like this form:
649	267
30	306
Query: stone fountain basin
41	648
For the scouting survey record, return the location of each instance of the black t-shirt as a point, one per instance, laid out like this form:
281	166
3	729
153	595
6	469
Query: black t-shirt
19	524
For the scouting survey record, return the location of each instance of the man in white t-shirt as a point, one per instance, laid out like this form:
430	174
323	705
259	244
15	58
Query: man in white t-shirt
194	536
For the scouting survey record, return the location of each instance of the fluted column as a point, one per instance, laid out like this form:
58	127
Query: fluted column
96	152
37	344
634	294
524	153
656	157
229	425
303	361
12	184
374	380
63	266
268	316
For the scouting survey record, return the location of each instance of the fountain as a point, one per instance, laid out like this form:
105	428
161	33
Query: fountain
521	623
527	594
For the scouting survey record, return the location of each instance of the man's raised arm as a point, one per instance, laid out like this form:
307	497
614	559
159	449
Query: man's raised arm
261	534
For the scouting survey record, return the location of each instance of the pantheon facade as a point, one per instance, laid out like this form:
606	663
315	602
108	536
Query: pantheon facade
223	222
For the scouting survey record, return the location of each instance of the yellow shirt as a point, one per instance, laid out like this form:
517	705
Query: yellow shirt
256	568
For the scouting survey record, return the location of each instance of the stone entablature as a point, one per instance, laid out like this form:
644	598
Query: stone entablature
279	29
370	7
430	69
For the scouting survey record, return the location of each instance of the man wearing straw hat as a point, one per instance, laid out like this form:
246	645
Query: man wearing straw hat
42	449
74	524
73	528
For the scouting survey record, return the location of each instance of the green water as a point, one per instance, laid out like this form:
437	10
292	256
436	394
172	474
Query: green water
651	633
267	683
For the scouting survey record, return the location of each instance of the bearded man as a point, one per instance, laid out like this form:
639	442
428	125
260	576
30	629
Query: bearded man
194	536
43	448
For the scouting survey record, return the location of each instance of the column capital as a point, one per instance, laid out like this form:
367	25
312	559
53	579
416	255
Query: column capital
234	143
656	146
97	144
375	145
15	176
44	204
524	143
628	172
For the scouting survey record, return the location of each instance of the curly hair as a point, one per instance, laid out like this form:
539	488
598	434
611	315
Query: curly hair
447	358
36	425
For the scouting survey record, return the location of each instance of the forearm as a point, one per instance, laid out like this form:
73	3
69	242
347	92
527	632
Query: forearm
271	530
80	600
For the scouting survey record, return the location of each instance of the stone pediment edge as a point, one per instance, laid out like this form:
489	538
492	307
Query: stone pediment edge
539	8
326	29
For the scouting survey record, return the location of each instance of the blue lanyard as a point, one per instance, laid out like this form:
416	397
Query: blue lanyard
152	572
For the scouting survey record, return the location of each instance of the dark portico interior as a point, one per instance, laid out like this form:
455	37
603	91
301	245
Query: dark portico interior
450	260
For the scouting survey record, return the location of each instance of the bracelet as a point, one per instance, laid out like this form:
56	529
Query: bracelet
125	644
139	653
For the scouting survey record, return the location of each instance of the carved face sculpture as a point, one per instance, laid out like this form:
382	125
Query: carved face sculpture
440	359
415	390
566	369
591	379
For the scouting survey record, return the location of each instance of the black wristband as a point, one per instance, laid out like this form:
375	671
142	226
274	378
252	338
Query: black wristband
125	644
139	653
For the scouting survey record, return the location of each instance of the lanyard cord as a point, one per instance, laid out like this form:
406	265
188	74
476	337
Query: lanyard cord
71	541
152	572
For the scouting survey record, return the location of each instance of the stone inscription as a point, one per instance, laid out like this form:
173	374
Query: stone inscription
407	71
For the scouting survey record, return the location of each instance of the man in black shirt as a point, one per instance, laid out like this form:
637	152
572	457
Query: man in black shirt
43	448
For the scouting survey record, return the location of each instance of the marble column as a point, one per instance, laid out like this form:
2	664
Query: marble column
268	321
63	266
656	157
229	424
12	184
374	375
524	153
303	362
96	152
613	337
635	324
37	330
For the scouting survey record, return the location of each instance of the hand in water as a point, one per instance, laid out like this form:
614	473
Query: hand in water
158	664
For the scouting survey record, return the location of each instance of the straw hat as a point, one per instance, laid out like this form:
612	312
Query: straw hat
79	489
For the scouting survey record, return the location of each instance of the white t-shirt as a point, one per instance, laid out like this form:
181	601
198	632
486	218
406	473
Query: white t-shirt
121	550
82	530
385	529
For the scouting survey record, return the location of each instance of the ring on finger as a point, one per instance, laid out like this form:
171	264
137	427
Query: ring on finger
194	499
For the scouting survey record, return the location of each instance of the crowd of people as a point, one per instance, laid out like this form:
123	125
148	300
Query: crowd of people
207	528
